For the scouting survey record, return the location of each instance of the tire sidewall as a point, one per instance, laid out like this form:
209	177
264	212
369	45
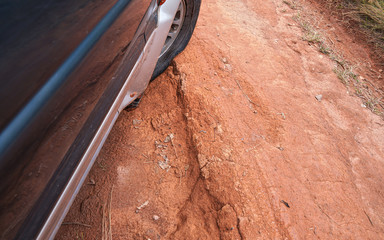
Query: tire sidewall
181	41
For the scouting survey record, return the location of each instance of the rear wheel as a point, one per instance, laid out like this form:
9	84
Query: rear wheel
179	34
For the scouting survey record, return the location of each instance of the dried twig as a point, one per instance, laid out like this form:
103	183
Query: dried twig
76	223
241	89
103	237
368	218
246	96
106	226
214	129
109	214
143	205
173	145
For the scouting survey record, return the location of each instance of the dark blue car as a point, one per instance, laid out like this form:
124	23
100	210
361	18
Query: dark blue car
67	69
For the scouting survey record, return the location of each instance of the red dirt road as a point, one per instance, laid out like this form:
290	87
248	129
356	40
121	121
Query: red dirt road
231	143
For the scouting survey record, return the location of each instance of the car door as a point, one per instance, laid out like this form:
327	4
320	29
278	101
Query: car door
62	65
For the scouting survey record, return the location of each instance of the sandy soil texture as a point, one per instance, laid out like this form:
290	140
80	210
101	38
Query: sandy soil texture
233	141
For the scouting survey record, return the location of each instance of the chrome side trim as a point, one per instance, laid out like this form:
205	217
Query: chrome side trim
137	82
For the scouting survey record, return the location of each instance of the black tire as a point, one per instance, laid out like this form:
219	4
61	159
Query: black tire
182	39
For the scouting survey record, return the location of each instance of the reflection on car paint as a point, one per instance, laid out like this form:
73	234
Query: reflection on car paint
72	105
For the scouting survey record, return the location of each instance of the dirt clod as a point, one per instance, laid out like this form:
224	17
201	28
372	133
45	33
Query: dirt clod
227	222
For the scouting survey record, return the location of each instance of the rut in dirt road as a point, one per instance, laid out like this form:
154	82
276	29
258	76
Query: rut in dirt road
232	143
219	168
219	218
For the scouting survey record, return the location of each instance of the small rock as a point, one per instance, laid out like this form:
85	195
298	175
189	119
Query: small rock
164	164
155	217
228	67
218	129
363	105
319	97
169	138
136	121
282	115
159	145
285	203
91	182
381	70
224	60
142	205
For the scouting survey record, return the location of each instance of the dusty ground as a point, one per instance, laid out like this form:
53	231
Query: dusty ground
231	143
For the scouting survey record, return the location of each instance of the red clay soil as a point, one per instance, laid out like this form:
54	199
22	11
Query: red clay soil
232	143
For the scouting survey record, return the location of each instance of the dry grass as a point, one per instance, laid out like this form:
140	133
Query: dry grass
310	34
106	225
292	4
372	13
368	13
371	96
371	17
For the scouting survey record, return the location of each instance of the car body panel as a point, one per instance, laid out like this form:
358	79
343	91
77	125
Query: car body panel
37	33
61	131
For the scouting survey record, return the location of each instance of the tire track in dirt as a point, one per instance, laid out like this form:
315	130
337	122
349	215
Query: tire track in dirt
223	214
216	156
